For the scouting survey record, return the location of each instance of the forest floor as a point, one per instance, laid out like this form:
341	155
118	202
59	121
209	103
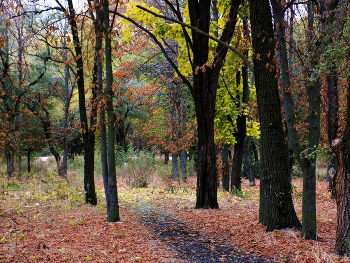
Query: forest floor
39	223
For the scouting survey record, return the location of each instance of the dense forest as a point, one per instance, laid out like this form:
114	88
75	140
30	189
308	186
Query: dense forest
222	89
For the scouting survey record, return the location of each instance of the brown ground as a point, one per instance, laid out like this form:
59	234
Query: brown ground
35	228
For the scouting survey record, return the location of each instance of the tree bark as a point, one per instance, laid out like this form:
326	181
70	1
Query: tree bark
248	162
10	162
276	206
341	188
111	192
332	114
341	183
183	165
226	168
175	166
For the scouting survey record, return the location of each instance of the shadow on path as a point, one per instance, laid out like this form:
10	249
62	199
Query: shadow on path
189	243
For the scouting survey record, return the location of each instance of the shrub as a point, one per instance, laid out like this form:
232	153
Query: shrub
135	166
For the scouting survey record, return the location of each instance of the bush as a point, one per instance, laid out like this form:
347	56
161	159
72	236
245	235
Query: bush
135	166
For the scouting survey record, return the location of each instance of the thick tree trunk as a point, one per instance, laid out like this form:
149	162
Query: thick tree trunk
276	206
341	183
205	84
341	188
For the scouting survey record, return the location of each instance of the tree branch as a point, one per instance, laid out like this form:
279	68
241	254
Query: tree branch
244	58
184	79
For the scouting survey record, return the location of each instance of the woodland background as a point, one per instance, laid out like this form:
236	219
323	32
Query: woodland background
198	95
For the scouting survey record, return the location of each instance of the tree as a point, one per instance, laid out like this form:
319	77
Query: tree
18	74
111	191
205	73
340	182
276	205
87	133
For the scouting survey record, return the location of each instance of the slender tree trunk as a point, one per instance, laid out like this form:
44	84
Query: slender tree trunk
226	168
68	96
111	193
183	164
248	162
89	183
29	168
332	114
175	166
307	162
236	173
100	93
241	131
10	163
276	205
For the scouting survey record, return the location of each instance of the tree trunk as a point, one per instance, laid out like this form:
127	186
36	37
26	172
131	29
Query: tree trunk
341	183
29	161
341	188
238	152
166	159
175	166
226	168
240	134
241	131
89	183
248	162
307	162
183	164
10	163
100	94
332	114
276	205
111	192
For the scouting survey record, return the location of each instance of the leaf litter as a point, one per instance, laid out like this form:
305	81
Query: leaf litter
159	224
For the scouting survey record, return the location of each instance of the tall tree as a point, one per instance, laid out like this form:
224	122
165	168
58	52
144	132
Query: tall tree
307	161
111	191
205	73
276	205
205	84
87	133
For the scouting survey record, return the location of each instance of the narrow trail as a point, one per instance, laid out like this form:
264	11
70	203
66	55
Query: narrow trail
190	245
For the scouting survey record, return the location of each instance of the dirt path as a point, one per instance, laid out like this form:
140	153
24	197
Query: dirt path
190	245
